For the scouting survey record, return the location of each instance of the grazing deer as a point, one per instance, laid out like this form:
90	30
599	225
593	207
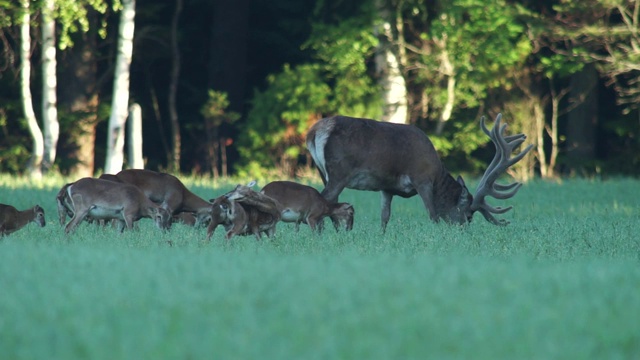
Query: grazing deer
65	207
109	200
398	159
262	211
232	216
167	190
12	219
304	204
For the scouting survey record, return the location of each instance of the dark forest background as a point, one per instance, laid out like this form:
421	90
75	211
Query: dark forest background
255	74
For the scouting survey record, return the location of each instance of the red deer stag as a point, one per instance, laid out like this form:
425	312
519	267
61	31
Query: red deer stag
398	159
167	190
12	219
304	204
262	211
109	200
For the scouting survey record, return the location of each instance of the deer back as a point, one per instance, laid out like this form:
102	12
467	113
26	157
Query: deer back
371	155
168	190
296	197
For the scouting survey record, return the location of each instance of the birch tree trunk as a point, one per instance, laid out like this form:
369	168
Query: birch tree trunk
448	70
119	105
34	168
49	86
388	63
136	160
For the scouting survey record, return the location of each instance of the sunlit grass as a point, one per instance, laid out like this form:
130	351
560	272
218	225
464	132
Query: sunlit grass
561	281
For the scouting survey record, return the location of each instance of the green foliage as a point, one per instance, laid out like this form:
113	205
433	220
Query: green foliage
552	284
72	16
457	143
281	115
557	65
214	109
338	83
484	41
14	139
343	51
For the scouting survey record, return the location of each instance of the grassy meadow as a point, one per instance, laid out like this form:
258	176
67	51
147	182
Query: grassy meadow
562	281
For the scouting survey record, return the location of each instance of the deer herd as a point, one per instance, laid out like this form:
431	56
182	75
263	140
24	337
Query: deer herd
353	153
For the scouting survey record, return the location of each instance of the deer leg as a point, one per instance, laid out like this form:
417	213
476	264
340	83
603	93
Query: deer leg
235	230
312	223
332	191
127	220
320	225
62	212
271	232
120	225
211	228
77	218
385	205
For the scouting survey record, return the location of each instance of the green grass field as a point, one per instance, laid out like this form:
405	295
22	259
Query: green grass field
562	281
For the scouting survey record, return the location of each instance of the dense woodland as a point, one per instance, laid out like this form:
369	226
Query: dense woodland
231	87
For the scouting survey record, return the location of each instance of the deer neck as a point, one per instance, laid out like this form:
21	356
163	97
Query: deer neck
446	193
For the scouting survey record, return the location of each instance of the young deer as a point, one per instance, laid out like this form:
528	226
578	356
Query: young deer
263	212
229	214
12	219
109	200
304	204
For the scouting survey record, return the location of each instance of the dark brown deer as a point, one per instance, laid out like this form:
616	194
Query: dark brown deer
167	190
109	200
303	204
398	159
12	219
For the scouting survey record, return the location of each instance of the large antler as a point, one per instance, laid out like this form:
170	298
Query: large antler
500	163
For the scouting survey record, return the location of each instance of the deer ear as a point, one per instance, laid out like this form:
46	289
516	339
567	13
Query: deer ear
463	201
461	181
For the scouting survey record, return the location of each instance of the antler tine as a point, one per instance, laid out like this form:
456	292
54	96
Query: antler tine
496	209
503	192
502	160
490	218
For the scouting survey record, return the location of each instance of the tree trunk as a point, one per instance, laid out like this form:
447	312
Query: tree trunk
223	156
581	127
538	114
553	130
136	160
79	97
450	73
211	132
35	163
388	69
173	89
119	105
49	86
